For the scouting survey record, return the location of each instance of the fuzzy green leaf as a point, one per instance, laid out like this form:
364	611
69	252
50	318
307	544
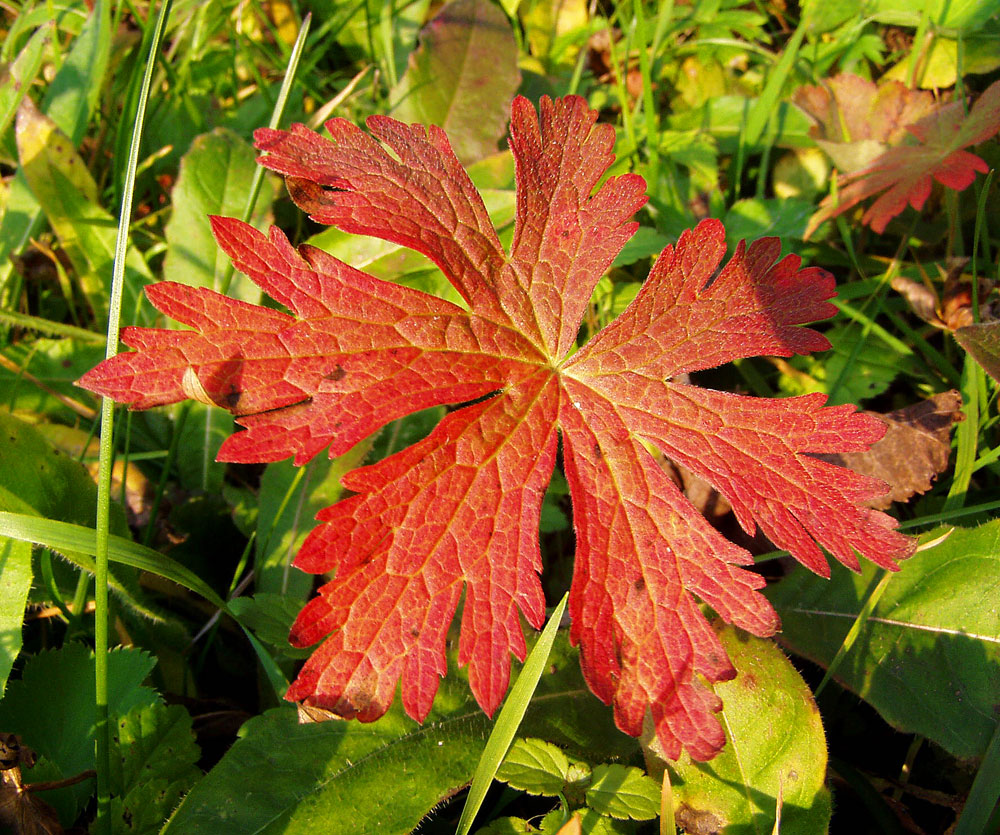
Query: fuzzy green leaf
928	658
623	792
153	765
786	754
535	766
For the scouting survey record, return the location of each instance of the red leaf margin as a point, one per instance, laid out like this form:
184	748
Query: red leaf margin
458	512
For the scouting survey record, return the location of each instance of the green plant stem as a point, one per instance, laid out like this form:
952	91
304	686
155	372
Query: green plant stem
103	521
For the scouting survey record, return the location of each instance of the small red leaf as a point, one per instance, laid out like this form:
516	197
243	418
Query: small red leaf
903	174
458	512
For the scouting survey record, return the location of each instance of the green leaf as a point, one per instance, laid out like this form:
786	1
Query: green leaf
506	826
591	823
644	243
22	72
56	364
15	583
535	766
874	364
623	792
214	179
67	194
383	31
983	342
270	618
950	15
754	218
35	474
52	709
723	118
73	94
462	77
152	766
783	755
283	777
39	479
928	658
290	498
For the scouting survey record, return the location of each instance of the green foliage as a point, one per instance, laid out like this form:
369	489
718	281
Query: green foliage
927	658
783	758
51	707
300	778
462	77
700	94
153	765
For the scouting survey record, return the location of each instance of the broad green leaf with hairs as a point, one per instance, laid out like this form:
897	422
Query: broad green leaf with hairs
784	756
152	767
462	77
928	658
51	707
330	777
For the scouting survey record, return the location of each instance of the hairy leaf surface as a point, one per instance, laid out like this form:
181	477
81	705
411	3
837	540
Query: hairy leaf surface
458	512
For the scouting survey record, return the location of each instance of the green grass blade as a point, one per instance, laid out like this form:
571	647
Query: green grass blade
48	327
102	533
985	792
69	539
967	434
77	541
766	105
509	719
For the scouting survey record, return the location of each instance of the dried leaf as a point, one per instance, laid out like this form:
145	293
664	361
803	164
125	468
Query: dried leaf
915	448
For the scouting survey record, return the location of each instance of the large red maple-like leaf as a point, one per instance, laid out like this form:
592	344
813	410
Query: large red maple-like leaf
903	174
459	511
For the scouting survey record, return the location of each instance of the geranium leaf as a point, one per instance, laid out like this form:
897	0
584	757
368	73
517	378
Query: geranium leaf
903	174
457	513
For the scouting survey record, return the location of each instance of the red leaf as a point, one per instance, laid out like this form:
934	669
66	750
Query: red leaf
460	509
904	173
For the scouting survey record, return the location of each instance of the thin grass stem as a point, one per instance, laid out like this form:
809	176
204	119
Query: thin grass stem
103	521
